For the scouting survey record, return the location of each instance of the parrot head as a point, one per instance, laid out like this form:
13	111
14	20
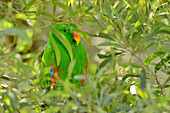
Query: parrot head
67	29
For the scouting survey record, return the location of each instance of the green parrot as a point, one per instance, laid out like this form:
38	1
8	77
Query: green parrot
59	73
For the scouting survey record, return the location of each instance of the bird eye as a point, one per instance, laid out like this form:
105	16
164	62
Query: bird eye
74	41
64	31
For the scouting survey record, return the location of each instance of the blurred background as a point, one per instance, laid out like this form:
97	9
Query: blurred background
128	44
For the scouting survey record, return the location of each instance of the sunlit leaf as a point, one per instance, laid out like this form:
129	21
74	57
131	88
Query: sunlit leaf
153	56
140	22
133	11
127	4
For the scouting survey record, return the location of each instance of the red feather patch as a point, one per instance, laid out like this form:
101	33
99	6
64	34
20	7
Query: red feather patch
85	70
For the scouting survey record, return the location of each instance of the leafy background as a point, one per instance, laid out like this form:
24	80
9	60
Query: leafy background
128	45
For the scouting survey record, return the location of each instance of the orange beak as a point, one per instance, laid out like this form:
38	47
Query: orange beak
76	37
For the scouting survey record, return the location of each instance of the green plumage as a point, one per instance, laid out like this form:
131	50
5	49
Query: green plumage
79	53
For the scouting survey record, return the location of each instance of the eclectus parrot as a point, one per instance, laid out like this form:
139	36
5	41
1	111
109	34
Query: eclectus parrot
59	73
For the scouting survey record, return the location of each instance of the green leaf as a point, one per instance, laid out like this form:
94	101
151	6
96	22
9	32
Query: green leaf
84	35
164	30
102	92
108	98
129	75
92	5
143	78
106	36
153	56
140	22
127	4
0	4
56	50
104	62
123	106
32	2
2	74
110	44
64	40
26	104
104	55
40	8
65	7
132	12
161	63
97	22
54	6
14	99
107	8
159	21
49	15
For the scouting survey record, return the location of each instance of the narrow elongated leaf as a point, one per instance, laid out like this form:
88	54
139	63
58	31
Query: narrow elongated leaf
64	40
104	62
110	44
56	50
30	4
159	21
109	98
161	63
127	4
92	5
143	78
49	15
104	55
140	22
106	36
40	8
153	56
107	8
97	22
102	92
65	7
133	11
14	99
2	74
129	75
54	6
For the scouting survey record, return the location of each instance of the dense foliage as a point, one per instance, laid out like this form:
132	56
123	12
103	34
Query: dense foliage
130	72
